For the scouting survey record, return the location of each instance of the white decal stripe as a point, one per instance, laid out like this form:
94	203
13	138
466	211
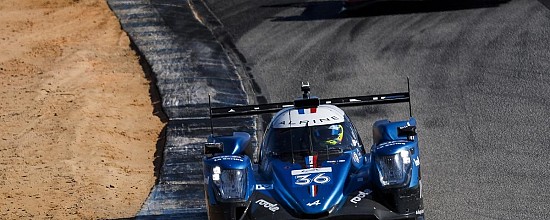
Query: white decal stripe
312	170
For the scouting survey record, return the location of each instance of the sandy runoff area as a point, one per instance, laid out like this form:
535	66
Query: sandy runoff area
78	131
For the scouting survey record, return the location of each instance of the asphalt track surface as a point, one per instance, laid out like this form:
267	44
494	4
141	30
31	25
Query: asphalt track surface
480	80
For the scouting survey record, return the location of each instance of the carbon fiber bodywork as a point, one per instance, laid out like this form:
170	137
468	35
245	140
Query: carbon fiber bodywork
358	205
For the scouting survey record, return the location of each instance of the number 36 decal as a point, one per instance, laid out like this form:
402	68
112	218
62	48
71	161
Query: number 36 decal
307	179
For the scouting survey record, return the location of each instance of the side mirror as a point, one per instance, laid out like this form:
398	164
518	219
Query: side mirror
213	148
407	131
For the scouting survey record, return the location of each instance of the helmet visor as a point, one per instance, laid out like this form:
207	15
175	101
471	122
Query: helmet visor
333	132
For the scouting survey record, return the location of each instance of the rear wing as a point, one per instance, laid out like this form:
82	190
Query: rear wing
340	102
308	102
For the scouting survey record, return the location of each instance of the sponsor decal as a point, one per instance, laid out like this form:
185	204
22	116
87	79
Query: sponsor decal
311	171
389	143
406	126
360	196
271	206
420	212
264	186
228	157
355	157
417	161
301	123
316	203
335	161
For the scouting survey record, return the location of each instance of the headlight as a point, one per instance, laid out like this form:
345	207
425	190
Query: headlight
394	170
230	183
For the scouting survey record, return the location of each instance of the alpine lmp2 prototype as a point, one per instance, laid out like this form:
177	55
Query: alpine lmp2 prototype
313	164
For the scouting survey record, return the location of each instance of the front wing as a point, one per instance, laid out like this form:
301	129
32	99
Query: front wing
357	206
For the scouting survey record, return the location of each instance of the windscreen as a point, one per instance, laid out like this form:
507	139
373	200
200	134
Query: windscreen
331	140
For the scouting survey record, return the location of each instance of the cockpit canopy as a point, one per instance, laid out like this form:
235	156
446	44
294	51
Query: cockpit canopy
325	131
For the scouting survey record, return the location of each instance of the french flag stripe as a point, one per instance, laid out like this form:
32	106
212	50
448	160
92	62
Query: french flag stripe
314	161
311	161
307	111
313	190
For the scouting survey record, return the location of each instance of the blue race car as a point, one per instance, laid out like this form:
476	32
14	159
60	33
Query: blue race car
313	164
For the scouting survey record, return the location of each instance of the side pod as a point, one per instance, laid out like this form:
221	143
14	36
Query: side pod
396	167
235	144
385	130
228	176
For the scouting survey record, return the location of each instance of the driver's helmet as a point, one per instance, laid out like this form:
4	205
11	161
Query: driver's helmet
329	135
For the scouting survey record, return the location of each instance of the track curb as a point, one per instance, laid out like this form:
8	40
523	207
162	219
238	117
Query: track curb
187	63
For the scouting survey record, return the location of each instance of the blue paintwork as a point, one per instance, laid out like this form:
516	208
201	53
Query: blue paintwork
391	143
297	197
348	174
233	145
388	129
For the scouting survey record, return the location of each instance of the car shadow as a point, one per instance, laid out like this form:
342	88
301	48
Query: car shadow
334	9
546	3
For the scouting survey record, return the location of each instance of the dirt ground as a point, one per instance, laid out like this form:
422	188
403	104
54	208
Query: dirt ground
77	126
